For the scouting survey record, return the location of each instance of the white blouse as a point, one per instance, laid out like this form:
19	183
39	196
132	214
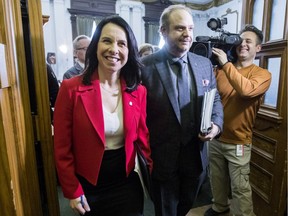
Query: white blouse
113	126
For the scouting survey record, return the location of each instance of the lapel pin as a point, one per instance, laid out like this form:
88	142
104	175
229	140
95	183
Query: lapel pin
205	82
130	103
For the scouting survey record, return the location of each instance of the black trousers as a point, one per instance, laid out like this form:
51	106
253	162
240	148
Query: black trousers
176	195
114	194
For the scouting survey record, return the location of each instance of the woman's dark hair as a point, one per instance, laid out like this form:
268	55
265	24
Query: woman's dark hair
131	70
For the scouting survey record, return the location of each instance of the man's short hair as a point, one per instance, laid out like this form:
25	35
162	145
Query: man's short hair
78	38
252	28
164	18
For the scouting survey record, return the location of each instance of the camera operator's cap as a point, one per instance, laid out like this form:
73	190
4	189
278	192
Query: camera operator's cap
216	23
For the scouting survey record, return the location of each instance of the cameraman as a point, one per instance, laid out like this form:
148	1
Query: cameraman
241	86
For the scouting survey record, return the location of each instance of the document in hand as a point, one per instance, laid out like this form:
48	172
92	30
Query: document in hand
207	106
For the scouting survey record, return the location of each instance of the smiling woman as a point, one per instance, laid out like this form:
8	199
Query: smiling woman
105	123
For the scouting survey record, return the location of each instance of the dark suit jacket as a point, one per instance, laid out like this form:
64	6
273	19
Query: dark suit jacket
73	71
79	138
53	88
163	114
53	85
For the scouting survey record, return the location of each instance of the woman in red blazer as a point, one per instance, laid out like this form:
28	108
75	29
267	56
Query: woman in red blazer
98	117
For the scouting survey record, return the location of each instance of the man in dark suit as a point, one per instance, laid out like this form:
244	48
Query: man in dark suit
178	150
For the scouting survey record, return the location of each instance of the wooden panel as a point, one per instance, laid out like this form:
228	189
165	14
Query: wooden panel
261	182
261	207
269	155
41	120
6	192
17	130
264	146
20	194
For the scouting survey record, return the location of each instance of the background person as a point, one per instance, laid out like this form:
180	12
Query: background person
179	156
80	45
241	86
145	49
53	88
51	58
98	117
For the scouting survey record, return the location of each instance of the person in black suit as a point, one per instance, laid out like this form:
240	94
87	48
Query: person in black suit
53	88
178	149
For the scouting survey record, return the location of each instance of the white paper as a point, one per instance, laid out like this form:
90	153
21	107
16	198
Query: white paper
207	106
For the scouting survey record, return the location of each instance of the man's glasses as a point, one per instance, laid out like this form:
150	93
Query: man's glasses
82	48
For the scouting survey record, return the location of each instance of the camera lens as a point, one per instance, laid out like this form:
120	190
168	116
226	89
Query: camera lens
217	23
233	39
213	24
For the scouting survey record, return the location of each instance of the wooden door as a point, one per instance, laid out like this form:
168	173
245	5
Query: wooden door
269	153
24	114
32	24
19	184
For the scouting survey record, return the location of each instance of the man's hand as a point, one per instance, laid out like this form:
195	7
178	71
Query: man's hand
208	137
220	55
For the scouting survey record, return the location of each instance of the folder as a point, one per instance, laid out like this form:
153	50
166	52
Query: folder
207	107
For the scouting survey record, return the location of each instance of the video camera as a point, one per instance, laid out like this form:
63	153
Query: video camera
226	41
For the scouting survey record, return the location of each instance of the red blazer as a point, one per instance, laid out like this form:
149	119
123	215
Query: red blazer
79	137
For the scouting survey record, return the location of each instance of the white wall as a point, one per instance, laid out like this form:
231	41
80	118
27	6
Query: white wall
133	12
58	34
234	19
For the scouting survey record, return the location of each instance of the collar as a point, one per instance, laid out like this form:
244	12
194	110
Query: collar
80	63
172	59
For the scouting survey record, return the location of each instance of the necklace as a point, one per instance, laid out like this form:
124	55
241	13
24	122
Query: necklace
114	92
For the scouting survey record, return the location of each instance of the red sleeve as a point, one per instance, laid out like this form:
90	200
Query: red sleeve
64	158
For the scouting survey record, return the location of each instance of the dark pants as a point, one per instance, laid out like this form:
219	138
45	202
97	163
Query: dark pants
114	194
176	195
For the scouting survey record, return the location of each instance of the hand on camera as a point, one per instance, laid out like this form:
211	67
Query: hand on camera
221	56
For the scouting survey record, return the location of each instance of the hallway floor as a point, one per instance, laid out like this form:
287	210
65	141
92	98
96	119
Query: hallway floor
202	204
